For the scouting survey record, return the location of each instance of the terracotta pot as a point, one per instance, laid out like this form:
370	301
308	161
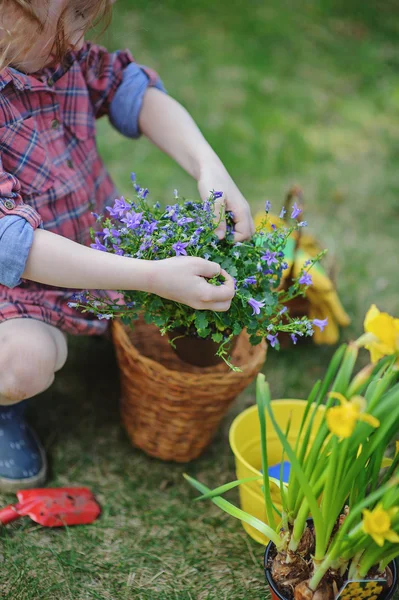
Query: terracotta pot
197	351
277	595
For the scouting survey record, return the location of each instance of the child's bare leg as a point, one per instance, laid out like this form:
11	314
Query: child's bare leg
30	353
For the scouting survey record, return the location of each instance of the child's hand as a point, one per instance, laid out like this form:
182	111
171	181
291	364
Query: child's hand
183	279
215	177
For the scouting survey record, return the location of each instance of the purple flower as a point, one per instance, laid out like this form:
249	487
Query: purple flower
282	213
207	256
259	268
250	280
217	195
133	177
176	194
180	248
157	205
303	224
270	258
118	250
255	305
308	262
184	221
268	205
273	339
283	310
306	279
108	233
294	338
96	216
147	243
149	228
107	317
295	211
132	220
143	193
162	239
98	245
321	324
206	206
119	208
284	266
172	212
72	304
236	254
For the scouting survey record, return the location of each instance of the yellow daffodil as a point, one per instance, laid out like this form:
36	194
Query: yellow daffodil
377	524
381	336
342	420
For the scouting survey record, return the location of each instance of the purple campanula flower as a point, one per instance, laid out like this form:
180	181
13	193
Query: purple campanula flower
217	195
268	272
268	205
96	216
118	250
259	268
199	230
306	279
184	221
207	256
303	224
106	317
206	206
308	262
194	239
146	245
270	258
273	339
321	324
172	212
143	193
283	310
132	220
284	266
295	211
149	228
157	205
250	280
294	338
137	187
236	254
133	177
274	227
106	233
162	239
255	305
119	208
180	248
98	245
282	213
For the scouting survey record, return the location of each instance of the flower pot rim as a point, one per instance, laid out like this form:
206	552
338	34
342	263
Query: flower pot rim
237	421
388	596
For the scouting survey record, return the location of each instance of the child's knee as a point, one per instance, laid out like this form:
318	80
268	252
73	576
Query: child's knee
26	369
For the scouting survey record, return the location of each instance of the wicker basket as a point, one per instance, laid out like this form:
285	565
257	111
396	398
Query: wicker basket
171	409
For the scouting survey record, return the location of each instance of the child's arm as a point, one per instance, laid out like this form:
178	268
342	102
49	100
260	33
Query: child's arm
57	261
168	125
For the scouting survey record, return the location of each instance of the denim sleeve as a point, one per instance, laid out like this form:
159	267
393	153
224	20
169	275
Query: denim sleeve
16	238
126	104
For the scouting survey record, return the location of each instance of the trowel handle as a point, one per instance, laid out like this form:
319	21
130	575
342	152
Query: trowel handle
9	513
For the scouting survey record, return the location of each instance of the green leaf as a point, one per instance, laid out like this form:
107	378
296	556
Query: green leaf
201	319
222	489
237	512
217	337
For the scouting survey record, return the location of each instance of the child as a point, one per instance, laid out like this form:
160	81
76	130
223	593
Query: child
53	85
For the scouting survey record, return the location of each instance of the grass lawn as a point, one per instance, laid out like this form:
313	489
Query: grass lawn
287	92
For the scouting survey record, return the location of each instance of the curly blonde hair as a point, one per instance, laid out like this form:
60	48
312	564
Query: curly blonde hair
27	22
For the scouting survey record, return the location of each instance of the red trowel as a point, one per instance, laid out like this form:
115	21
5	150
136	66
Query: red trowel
53	507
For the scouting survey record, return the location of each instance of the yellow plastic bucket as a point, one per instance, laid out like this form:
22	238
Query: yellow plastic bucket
245	443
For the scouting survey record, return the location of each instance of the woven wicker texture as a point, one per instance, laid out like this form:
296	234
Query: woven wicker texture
171	409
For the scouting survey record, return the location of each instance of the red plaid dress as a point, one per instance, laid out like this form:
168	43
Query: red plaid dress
50	169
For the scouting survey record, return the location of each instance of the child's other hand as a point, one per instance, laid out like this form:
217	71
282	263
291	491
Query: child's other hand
184	279
215	177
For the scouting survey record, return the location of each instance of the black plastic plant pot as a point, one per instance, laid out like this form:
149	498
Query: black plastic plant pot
387	594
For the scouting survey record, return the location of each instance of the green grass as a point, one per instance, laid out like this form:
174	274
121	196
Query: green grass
288	92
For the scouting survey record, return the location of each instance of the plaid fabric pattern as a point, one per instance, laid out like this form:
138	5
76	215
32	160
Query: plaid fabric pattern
50	170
